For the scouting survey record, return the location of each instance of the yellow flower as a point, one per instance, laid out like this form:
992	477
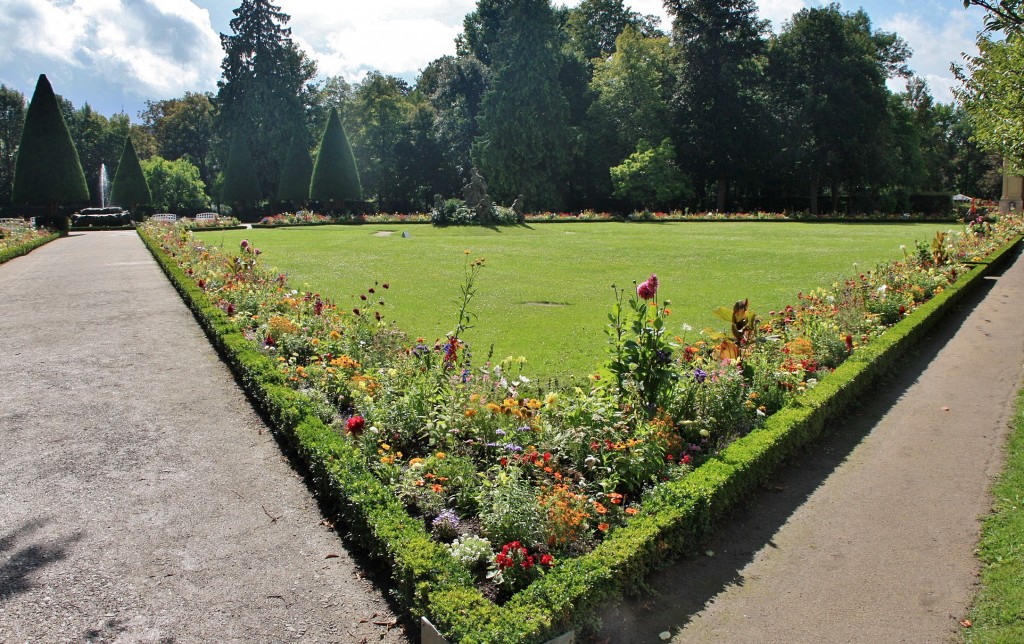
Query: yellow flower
440	455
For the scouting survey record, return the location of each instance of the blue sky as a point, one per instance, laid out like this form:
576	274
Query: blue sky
116	54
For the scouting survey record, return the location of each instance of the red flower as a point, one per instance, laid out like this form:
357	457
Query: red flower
849	342
547	560
355	425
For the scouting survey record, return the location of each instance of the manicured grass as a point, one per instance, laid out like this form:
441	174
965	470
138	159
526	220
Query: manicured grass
545	292
998	612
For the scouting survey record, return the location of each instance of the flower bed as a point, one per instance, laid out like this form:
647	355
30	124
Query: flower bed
577	491
18	238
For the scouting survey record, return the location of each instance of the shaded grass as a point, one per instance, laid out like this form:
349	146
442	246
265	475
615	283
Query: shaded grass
998	611
546	291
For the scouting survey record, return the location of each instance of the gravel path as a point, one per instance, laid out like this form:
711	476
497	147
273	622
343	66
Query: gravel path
870	536
141	498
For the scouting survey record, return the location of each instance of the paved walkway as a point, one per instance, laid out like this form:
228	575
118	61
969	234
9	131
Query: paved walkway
870	536
141	499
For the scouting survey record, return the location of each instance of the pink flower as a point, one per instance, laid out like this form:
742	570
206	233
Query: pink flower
649	288
244	244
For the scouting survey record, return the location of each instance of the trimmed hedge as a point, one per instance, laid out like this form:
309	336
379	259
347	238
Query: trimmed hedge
24	249
674	518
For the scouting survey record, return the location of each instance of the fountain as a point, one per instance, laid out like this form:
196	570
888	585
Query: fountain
104	186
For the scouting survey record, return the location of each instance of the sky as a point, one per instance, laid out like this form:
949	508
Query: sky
117	54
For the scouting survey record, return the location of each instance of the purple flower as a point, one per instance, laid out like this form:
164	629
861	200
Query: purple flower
649	288
700	375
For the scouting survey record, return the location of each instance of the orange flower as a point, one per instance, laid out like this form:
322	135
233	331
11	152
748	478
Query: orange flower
615	498
600	508
602	527
631	511
436	487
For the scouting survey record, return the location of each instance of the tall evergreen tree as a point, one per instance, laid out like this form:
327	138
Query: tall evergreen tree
335	176
241	185
265	86
47	170
525	142
297	171
718	43
129	188
12	120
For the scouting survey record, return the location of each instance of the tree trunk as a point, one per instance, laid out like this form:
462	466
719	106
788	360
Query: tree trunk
723	190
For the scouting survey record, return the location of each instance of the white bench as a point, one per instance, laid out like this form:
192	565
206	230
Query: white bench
164	217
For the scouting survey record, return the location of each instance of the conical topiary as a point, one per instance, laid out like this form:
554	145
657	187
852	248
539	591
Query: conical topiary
48	170
335	175
240	181
296	173
130	187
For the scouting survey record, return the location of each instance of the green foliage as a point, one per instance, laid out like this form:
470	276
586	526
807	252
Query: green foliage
9	253
48	170
265	87
828	70
129	187
174	185
997	614
12	120
650	177
99	141
240	181
525	143
184	128
992	93
335	175
594	26
297	172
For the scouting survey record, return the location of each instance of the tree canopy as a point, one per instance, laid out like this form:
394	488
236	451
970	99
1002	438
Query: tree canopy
297	171
241	185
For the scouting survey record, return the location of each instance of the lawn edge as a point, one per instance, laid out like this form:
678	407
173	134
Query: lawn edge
997	609
674	519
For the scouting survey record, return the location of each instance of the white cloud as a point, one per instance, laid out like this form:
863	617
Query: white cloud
144	48
396	37
937	40
779	11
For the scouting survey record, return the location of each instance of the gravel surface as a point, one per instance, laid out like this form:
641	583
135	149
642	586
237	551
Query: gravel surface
870	536
141	498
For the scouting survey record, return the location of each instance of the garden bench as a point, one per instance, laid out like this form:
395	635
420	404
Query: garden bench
206	216
164	217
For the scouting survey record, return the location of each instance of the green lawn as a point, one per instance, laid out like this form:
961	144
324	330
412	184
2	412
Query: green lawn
998	611
546	289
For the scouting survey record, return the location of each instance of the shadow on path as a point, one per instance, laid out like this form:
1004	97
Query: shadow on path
675	594
19	562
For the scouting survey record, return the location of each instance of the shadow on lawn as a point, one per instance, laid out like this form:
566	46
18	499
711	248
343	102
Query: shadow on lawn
676	593
18	560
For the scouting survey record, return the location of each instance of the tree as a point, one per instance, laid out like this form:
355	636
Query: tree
297	171
130	187
455	87
335	175
719	43
379	114
828	71
266	86
175	185
650	177
12	120
184	128
992	93
241	185
525	145
1002	15
594	26
47	170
